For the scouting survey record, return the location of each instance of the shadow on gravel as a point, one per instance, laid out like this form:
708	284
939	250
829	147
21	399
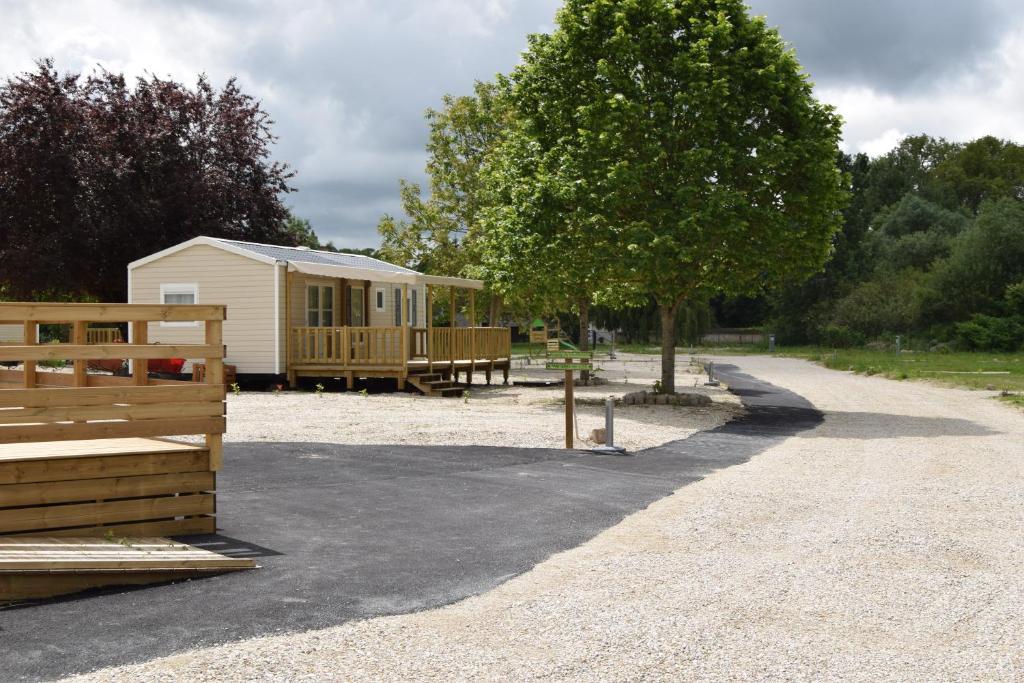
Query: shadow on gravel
350	532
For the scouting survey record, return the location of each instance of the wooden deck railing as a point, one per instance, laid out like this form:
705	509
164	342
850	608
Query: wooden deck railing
103	335
382	346
38	406
348	346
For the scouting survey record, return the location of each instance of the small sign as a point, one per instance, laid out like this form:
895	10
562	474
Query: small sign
553	344
571	354
569	366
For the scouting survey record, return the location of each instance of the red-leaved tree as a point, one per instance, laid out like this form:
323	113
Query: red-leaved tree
95	173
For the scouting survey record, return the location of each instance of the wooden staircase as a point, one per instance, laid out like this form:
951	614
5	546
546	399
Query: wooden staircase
434	384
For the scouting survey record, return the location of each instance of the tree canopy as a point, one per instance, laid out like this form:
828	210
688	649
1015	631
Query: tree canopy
665	149
95	173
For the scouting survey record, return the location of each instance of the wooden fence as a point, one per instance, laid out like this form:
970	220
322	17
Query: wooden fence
150	485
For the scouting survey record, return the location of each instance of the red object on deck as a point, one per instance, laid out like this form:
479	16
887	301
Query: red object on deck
170	366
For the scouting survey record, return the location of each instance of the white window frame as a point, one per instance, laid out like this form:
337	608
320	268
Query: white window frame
380	299
179	288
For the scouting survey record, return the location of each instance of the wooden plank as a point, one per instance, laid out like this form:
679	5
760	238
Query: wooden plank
16	587
115	313
185	526
112	430
177	393
108	351
91	514
63	379
109	488
215	376
56	555
103	466
110	412
33	567
93	447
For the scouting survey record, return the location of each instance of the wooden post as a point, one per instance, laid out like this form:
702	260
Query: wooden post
451	342
79	335
140	368
30	365
472	336
430	330
569	408
406	331
215	376
289	372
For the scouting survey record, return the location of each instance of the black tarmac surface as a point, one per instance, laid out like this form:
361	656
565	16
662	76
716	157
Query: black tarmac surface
350	532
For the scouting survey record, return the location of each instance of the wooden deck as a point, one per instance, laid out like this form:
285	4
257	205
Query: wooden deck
44	566
352	353
84	456
122	486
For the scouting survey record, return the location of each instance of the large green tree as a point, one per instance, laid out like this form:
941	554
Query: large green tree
675	146
441	233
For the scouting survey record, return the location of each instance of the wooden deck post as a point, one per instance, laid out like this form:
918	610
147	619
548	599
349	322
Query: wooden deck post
451	344
406	331
430	330
30	365
79	335
140	368
215	376
289	372
472	336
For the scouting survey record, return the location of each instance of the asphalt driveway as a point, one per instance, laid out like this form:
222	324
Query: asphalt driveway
350	532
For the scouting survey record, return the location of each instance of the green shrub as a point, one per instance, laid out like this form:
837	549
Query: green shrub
840	336
1015	298
988	333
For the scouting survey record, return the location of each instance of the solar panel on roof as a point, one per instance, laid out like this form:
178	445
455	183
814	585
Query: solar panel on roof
314	256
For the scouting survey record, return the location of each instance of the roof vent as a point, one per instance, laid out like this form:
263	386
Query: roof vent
302	248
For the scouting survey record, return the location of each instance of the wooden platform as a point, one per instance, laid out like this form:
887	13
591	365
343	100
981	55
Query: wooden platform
33	567
127	486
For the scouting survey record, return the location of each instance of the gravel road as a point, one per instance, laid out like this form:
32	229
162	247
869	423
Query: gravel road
517	416
885	544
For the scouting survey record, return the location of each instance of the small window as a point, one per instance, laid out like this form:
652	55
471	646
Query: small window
177	294
398	306
413	308
381	299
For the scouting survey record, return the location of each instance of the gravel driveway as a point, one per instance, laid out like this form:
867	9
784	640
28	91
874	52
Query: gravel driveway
886	543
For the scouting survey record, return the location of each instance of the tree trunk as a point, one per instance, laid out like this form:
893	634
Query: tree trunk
495	313
668	347
584	307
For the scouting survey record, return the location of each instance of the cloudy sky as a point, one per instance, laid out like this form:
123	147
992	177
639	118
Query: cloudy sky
347	81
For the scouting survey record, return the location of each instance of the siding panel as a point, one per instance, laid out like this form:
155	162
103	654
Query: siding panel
245	286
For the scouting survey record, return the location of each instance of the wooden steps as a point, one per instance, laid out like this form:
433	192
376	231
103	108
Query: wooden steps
34	567
434	385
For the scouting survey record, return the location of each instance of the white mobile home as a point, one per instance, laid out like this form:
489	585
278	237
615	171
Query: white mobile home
294	312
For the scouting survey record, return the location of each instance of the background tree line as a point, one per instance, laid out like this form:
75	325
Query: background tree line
932	245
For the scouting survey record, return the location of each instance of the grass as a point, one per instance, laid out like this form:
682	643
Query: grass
976	370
